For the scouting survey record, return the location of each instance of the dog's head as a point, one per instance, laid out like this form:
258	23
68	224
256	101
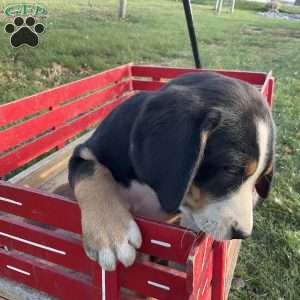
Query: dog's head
235	166
217	156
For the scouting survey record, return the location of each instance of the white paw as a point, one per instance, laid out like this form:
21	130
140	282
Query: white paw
119	243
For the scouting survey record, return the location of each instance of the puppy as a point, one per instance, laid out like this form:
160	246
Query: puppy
201	144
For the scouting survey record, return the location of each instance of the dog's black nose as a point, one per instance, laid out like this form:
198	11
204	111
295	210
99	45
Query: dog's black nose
238	234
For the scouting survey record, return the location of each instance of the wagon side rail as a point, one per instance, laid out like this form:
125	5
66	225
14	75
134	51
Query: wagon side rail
34	125
151	77
50	257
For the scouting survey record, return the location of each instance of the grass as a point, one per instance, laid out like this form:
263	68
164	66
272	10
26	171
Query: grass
85	37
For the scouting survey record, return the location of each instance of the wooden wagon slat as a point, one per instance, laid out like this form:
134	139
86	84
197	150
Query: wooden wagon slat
159	239
146	85
166	241
111	283
267	88
26	153
21	108
197	261
155	280
170	72
39	206
150	85
45	278
207	295
219	268
46	244
126	297
204	279
13	136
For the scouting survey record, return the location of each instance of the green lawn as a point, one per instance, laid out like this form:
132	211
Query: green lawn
84	37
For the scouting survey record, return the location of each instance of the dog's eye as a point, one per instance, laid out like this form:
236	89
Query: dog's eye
232	170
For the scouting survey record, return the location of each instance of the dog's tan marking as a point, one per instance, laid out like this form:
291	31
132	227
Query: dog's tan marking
98	199
196	198
108	228
204	138
174	219
251	167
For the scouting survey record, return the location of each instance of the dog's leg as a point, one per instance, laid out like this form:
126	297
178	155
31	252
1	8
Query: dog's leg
110	233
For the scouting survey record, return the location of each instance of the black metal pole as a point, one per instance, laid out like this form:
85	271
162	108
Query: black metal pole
191	29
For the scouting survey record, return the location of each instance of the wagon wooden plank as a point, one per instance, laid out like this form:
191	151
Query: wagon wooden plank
29	151
197	262
155	280
231	263
21	108
112	284
204	279
160	241
39	242
167	241
126	297
12	290
45	277
219	267
146	85
268	87
207	295
39	206
170	72
21	132
49	167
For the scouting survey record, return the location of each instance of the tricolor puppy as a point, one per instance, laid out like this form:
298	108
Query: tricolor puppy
201	144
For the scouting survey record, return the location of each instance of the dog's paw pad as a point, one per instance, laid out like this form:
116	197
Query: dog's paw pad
24	32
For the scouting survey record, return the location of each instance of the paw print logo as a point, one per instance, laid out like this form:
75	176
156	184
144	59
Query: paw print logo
24	33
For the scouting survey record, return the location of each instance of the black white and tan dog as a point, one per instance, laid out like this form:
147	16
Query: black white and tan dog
201	144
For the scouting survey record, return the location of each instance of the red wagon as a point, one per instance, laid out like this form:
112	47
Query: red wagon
40	244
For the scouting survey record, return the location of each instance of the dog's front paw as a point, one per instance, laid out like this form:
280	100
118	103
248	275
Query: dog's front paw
109	231
115	241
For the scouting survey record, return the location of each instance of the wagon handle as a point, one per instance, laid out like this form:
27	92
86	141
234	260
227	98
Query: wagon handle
192	34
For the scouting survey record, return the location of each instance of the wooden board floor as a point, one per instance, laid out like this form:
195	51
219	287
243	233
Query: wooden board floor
51	172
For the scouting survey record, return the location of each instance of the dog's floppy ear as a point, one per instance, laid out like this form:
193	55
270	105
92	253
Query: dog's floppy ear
263	185
167	149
